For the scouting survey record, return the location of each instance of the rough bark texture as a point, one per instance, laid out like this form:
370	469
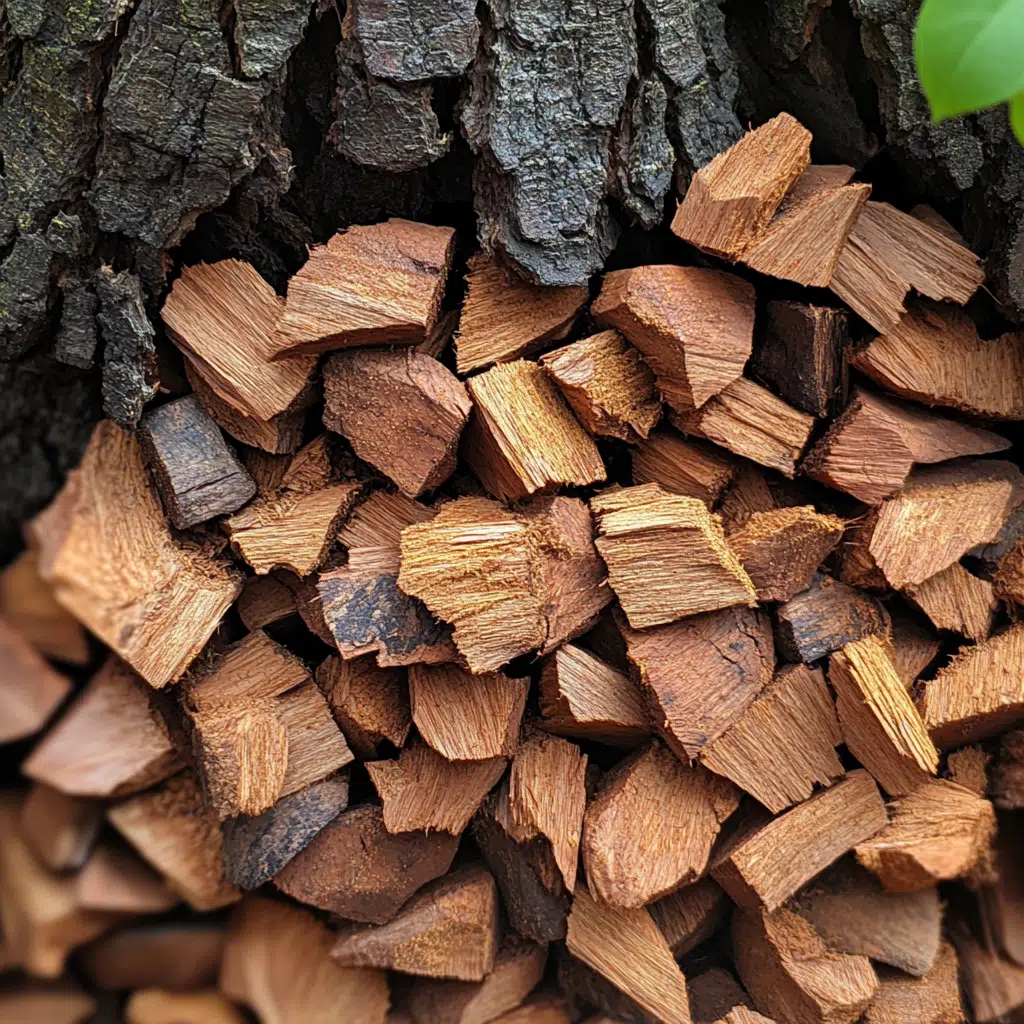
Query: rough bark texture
142	135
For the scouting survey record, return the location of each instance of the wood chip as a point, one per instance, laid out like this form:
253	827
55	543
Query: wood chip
523	438
509	582
694	327
701	674
1007	788
402	412
768	866
913	648
105	547
691	915
111	742
684	467
114	878
784	743
880	724
954	599
448	930
505	317
30	690
466	717
936	833
993	986
609	386
731	200
714	994
60	830
932	999
155	1006
423	790
666	555
650	827
357	869
223	317
46	1003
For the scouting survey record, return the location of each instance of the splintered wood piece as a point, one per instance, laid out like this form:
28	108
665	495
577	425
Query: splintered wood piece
504	317
825	617
373	284
156	1006
934	354
803	355
448	930
880	724
931	999
180	956
689	916
731	200
42	917
172	830
106	548
583	697
667	556
257	848
1008	580
784	743
524	869
59	829
968	767
362	603
30	690
1008	776
851	911
936	833
714	995
523	437
294	529
781	549
747	493
913	648
466	717
856	564
370	704
955	599
609	386
941	513
626	947
767	866
650	827
355	868
790	972
509	582
805	238
30	609
888	253
261	727
993	986
264	601
197	474
979	693
114	878
223	317
423	790
547	796
277	961
871	449
682	467
749	420
111	742
518	968
49	1003
701	674
742	1015
402	412
694	327
279	435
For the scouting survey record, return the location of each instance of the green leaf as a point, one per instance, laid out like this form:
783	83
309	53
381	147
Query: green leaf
970	53
1017	116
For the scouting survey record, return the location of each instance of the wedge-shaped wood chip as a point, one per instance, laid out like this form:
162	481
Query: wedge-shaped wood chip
30	690
766	866
448	930
523	437
156	1006
505	317
650	827
106	549
694	327
957	600
993	985
277	961
357	869
223	317
933	998
701	674
694	470
667	556
691	915
373	284
115	878
936	833
60	830
509	582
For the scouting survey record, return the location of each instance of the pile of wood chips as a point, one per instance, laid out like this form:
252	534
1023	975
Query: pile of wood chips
516	702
